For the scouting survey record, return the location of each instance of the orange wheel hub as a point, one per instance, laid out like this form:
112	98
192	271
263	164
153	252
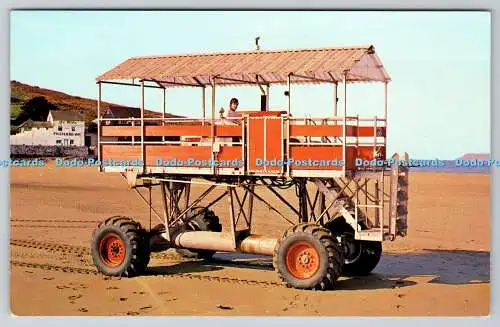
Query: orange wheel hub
112	250
302	260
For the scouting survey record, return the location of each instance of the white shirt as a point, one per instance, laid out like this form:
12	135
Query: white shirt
232	113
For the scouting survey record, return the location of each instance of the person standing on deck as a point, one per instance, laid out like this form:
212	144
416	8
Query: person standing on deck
233	106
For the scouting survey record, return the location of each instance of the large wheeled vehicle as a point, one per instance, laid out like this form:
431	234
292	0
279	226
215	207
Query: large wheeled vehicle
342	211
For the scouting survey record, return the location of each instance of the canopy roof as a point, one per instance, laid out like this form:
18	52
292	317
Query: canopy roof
322	65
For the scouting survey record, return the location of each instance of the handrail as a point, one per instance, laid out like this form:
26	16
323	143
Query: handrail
353	118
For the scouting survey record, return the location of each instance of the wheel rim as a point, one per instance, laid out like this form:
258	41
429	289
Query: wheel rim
302	260
112	250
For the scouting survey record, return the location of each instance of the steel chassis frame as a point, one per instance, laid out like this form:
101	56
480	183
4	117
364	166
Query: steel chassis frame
334	198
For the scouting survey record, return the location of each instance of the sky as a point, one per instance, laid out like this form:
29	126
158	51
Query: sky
439	62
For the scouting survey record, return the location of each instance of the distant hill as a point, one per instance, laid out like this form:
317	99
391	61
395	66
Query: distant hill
475	156
87	107
467	163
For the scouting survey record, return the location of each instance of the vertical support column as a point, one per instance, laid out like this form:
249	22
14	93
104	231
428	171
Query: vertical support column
187	191
164	111
304	217
335	109
99	86
393	197
375	138
385	100
267	97
321	205
143	152
212	129
344	127
165	210
250	205
204	105
377	203
289	82
380	198
357	131
368	209
286	123
385	118
133	137
264	144
231	215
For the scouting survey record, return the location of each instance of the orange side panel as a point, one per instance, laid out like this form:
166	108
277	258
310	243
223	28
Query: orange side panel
120	152
230	152
255	142
274	142
263	113
367	153
228	130
316	157
270	149
321	130
351	155
366	131
172	130
178	130
154	152
334	130
121	131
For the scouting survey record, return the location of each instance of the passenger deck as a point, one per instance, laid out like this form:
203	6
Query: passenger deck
259	143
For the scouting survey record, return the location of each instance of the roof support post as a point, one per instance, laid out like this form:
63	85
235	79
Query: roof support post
164	110
289	82
385	117
335	101
267	97
212	129
143	152
385	100
99	86
203	105
265	91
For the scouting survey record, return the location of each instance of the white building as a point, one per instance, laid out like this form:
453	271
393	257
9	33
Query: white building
65	128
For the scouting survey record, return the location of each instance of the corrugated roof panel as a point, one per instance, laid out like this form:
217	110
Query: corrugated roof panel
272	66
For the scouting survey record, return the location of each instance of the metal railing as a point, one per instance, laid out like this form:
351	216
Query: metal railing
346	138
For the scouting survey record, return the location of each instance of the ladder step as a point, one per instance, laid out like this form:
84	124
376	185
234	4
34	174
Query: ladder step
373	234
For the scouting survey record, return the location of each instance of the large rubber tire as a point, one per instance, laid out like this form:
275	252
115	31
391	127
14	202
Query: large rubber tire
361	257
308	257
366	258
207	221
120	247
